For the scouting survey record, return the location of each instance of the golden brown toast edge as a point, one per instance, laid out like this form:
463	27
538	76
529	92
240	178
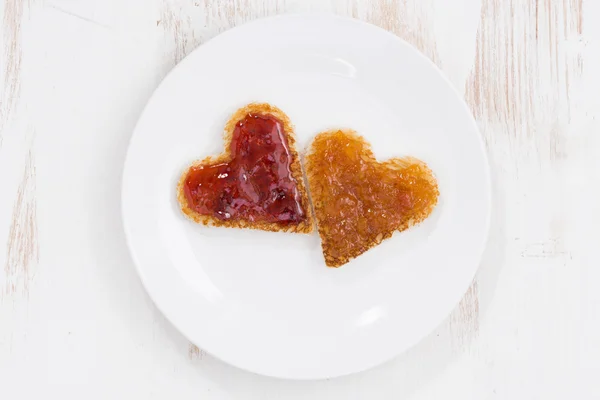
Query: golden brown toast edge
315	193
306	226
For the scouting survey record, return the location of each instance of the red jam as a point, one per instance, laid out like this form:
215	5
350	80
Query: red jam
256	185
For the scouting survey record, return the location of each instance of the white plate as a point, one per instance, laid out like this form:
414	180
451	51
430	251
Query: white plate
265	302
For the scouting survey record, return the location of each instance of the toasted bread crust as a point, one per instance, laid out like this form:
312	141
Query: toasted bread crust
319	201
305	226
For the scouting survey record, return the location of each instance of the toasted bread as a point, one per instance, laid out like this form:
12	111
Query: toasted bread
359	202
255	109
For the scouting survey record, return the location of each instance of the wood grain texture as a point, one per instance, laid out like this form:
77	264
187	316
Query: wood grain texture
526	62
464	321
185	22
524	65
409	19
22	248
519	89
194	353
223	13
13	14
179	26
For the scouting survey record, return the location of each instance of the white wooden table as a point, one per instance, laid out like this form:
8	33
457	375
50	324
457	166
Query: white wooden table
75	322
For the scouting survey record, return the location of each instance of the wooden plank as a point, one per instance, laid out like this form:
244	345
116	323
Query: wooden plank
22	247
526	327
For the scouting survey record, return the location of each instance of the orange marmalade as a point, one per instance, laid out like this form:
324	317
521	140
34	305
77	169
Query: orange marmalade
358	201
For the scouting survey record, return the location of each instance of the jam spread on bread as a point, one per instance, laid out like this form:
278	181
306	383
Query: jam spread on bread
256	184
359	201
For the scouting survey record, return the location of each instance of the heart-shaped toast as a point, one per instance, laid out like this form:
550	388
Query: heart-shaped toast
359	202
256	183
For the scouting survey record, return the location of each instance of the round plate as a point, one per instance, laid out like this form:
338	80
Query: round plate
266	302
